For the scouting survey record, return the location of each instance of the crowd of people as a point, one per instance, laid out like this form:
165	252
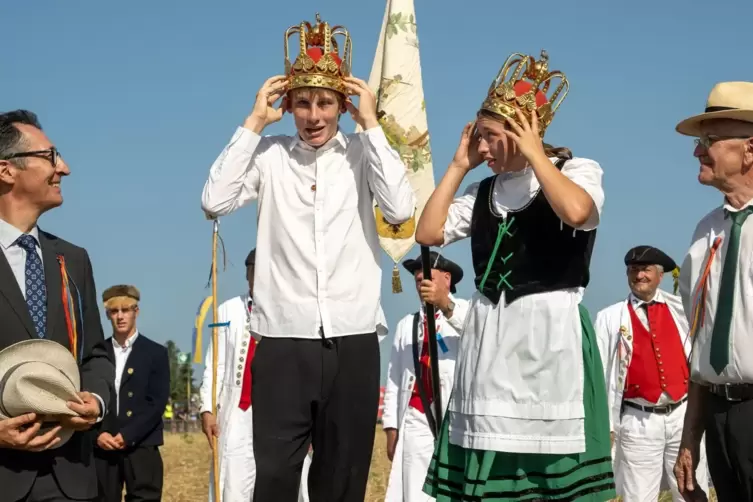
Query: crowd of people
540	403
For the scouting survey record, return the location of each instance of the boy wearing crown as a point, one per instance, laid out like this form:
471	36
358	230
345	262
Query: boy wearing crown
528	415
317	280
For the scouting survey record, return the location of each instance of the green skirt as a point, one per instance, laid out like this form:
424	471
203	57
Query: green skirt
459	474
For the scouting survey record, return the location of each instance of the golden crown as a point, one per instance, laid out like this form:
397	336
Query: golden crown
319	63
526	89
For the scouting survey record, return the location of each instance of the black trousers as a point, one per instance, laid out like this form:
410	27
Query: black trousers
729	448
319	392
140	469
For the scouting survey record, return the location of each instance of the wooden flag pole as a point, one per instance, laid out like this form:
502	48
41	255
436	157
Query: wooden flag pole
215	455
433	351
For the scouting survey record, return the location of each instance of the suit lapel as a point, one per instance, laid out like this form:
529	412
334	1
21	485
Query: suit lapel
53	281
10	290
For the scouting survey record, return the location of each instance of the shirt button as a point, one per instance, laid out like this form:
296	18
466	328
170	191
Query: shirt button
129	413
240	366
241	358
237	382
130	394
313	187
238	375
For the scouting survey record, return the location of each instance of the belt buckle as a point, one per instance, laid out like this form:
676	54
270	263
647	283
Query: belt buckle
726	393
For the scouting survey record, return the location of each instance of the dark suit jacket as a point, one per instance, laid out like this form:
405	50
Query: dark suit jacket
72	463
144	391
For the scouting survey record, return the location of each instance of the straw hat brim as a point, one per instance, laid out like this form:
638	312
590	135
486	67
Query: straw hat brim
692	126
51	353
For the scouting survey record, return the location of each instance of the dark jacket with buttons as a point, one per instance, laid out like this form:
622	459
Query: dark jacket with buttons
143	395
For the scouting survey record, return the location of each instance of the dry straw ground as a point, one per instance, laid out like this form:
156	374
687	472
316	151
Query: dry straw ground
187	460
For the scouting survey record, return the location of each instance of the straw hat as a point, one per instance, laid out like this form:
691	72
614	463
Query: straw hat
39	376
727	100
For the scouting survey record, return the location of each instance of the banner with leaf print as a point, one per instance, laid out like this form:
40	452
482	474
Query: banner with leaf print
396	79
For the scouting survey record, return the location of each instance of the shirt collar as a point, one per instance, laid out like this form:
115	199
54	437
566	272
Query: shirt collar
637	302
337	139
10	234
128	343
728	208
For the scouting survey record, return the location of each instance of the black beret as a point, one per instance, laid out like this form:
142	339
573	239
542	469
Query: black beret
649	255
251	258
443	264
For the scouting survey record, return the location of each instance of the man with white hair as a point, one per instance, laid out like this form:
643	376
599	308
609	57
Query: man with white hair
644	346
716	286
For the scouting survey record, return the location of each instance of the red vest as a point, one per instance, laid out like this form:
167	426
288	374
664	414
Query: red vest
658	363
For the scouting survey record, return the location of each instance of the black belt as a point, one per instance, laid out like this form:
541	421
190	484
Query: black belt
660	410
732	392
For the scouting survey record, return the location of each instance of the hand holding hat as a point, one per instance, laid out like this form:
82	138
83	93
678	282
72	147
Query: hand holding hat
40	385
21	433
87	411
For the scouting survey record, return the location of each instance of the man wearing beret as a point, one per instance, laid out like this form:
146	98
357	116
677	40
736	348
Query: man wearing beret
644	345
716	285
47	291
233	425
408	392
131	434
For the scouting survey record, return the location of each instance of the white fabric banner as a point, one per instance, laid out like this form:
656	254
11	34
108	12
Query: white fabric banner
396	78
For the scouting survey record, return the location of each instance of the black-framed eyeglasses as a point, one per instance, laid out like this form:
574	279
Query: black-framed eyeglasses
707	140
51	154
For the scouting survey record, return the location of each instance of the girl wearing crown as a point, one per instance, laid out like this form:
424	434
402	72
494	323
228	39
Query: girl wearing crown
528	415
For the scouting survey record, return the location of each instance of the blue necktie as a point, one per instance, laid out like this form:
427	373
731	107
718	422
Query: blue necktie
36	291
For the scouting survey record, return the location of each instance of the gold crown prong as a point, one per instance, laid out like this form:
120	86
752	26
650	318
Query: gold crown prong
502	98
331	62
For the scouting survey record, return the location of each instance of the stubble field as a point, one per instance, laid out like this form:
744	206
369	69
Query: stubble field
187	459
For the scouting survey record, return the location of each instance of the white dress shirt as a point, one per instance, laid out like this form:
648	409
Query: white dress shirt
317	251
121	356
16	256
740	367
525	405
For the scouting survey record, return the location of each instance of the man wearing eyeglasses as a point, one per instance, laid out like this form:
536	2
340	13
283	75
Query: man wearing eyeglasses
131	434
716	285
47	291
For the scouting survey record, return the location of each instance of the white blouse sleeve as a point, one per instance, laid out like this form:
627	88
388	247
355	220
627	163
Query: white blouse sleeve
587	174
458	224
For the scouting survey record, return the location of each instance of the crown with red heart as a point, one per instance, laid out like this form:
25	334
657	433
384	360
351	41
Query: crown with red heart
526	89
319	62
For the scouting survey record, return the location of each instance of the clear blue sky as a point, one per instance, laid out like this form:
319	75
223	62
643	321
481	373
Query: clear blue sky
142	96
